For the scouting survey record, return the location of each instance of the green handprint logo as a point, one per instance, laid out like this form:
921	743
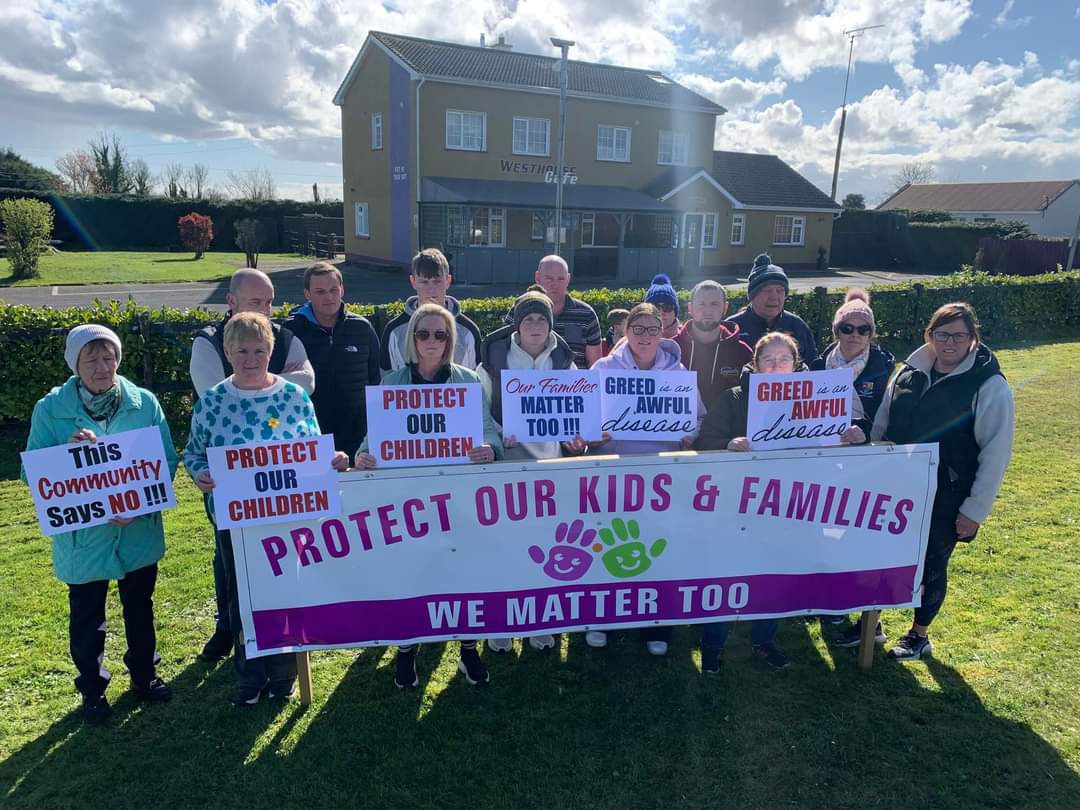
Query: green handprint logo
627	556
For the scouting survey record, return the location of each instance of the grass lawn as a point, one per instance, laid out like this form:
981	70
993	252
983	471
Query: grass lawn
109	267
993	720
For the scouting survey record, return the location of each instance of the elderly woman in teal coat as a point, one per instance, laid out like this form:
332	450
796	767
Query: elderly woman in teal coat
94	402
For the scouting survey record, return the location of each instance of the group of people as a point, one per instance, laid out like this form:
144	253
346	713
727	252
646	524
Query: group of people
257	381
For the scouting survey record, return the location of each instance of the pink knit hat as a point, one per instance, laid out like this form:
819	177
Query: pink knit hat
856	307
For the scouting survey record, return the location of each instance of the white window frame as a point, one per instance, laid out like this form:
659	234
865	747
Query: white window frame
493	215
798	227
738	221
530	123
613	157
538	218
589	218
708	230
376	131
362	220
674	137
460	145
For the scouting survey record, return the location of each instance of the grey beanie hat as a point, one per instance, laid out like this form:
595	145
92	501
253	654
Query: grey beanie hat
81	335
533	303
764	273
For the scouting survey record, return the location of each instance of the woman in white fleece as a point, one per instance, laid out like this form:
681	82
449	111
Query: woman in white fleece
528	343
950	391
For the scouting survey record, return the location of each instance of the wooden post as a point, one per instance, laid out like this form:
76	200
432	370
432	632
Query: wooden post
866	638
303	674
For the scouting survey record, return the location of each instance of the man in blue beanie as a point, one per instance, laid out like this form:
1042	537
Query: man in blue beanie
662	295
767	291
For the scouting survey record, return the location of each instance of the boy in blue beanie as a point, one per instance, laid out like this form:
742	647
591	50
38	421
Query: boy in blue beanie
661	294
767	291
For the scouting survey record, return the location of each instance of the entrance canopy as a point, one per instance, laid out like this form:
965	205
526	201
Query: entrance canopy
525	194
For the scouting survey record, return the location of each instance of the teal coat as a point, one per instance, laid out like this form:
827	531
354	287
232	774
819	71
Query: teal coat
459	375
105	551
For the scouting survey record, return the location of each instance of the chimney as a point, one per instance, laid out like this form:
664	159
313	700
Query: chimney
483	44
502	44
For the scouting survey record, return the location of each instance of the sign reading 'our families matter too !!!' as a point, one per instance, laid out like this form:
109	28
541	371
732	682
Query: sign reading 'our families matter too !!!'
268	482
546	406
534	548
648	405
413	425
804	409
76	486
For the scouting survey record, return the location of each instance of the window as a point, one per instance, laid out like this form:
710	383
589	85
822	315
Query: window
673	148
376	131
613	143
738	229
466	130
708	235
789	230
539	227
983	220
486	227
588	230
531	136
362	225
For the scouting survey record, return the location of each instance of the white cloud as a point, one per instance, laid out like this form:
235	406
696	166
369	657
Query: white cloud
737	95
1002	20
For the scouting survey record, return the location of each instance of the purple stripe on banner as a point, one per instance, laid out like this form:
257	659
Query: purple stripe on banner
568	607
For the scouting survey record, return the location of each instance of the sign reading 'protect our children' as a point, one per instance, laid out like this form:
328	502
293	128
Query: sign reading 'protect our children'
270	482
414	425
546	406
76	486
804	409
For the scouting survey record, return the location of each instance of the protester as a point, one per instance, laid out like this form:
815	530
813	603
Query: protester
343	349
725	429
95	402
662	295
429	356
245	407
709	346
767	292
529	343
616	319
950	391
575	320
643	349
854	330
430	278
250	290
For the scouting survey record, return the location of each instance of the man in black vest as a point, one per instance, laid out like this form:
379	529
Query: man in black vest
250	290
344	351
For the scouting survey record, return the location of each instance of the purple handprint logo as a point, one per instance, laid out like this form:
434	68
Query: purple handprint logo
569	558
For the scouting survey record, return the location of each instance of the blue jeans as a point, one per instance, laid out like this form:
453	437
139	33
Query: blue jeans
715	635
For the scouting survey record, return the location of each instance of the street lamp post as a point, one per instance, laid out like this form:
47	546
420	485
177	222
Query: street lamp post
564	45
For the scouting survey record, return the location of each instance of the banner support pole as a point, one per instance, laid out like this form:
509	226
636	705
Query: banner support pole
303	674
866	638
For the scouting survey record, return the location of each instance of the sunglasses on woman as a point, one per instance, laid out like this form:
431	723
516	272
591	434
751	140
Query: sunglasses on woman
851	329
651	331
438	334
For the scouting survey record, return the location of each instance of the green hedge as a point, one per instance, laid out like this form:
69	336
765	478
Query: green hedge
157	342
117	222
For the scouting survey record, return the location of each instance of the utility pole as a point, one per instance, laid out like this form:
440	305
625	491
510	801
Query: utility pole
851	35
564	45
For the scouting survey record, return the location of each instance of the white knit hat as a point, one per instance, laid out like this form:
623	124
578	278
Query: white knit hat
81	335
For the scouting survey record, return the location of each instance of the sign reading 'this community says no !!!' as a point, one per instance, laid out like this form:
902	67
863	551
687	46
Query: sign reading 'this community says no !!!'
414	425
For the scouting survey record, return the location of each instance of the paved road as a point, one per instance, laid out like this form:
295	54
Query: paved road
366	285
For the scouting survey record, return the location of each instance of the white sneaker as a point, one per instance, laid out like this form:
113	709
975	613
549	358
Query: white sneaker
658	648
596	638
542	642
500	645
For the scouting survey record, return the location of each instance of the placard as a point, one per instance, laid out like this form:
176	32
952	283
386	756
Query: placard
416	425
271	482
804	409
546	406
648	405
84	484
534	548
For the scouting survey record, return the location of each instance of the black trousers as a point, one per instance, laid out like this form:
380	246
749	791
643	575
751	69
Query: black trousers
86	629
253	672
939	548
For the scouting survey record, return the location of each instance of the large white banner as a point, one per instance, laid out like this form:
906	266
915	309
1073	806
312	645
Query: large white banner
803	409
84	484
524	549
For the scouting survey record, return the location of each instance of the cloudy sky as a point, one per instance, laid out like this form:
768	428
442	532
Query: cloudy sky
981	89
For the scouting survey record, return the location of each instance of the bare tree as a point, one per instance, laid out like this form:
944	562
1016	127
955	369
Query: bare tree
912	173
252	185
77	168
172	177
197	176
111	164
142	179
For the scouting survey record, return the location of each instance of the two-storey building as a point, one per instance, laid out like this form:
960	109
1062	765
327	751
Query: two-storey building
455	146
